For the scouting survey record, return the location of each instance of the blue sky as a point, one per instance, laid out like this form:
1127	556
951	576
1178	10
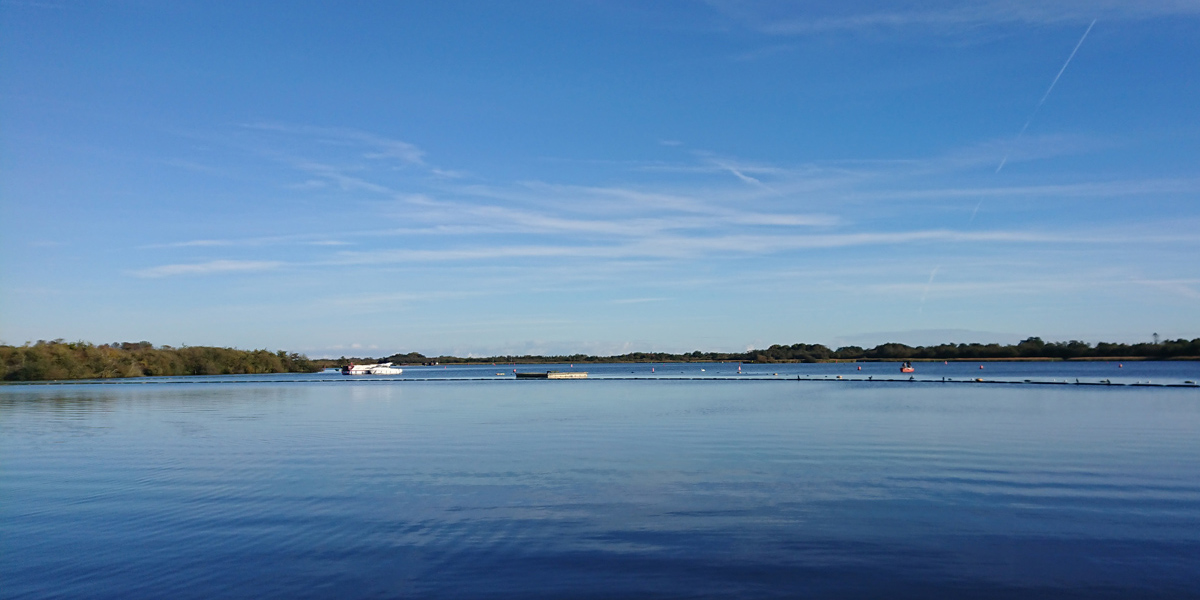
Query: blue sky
600	177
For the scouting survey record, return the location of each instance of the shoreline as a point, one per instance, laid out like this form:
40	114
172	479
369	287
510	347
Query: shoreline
190	380
470	363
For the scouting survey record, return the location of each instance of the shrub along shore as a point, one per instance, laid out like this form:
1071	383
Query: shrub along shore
82	360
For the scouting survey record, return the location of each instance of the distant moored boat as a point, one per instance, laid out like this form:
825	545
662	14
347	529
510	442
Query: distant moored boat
373	369
554	375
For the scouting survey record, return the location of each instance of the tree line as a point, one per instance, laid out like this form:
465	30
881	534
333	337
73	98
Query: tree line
1030	348
82	360
57	359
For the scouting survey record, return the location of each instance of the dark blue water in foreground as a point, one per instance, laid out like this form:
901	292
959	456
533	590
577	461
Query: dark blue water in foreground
598	488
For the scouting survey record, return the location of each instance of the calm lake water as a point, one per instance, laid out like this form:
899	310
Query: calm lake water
311	486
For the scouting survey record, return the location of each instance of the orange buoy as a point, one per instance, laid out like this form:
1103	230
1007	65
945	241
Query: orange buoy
980	366
860	368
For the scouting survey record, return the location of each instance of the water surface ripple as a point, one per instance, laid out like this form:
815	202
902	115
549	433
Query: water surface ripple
606	488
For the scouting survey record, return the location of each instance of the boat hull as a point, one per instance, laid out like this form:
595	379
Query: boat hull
376	369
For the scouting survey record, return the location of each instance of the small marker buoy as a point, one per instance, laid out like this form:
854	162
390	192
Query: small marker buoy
860	368
1120	366
980	366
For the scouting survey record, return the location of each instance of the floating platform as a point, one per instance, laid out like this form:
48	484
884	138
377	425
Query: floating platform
554	375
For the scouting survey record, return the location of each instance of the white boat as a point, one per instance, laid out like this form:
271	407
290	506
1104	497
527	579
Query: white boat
375	369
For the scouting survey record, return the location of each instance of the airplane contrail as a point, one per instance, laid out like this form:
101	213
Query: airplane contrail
980	203
1020	134
929	283
1048	90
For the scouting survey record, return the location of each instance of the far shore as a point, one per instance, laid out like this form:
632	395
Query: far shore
62	360
467	362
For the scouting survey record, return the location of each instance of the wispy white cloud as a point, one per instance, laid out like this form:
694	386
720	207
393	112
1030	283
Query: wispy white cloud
494	218
498	237
736	172
341	177
680	247
371	146
208	268
449	173
941	16
1096	189
279	240
195	244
